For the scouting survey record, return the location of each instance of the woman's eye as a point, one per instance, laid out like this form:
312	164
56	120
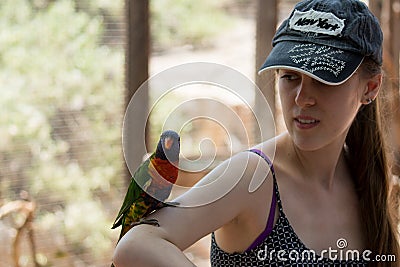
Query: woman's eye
289	77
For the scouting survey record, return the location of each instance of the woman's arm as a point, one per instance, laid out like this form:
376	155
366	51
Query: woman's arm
145	245
217	199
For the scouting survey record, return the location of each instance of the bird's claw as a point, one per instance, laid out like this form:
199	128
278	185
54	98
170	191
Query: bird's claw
153	222
171	204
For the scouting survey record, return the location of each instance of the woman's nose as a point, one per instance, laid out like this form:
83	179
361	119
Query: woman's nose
304	95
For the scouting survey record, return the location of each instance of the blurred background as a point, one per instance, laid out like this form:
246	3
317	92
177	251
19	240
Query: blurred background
68	69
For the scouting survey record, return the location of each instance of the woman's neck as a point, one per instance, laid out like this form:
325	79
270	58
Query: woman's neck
320	167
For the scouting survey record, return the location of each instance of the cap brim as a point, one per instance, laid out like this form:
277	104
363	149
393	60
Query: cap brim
329	65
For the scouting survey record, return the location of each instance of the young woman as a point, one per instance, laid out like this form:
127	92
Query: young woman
325	199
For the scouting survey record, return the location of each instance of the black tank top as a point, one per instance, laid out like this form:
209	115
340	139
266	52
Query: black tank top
281	246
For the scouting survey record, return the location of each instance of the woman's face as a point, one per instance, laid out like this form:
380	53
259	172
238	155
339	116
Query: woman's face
317	114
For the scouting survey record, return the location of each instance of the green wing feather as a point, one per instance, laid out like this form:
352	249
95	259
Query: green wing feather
140	176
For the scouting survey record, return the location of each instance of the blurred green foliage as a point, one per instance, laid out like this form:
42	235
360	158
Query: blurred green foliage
61	119
180	22
61	75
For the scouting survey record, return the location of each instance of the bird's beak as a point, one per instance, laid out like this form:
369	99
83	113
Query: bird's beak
168	143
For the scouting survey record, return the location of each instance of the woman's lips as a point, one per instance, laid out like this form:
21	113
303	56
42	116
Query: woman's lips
306	122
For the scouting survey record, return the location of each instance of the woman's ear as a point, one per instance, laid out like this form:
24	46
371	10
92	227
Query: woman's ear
372	88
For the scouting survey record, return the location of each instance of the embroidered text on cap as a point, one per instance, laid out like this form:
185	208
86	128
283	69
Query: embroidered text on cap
316	58
317	22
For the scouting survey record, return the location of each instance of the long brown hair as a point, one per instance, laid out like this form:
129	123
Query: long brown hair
368	158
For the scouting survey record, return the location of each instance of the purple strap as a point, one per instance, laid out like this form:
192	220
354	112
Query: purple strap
271	216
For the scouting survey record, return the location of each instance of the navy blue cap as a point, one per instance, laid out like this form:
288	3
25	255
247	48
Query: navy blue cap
327	40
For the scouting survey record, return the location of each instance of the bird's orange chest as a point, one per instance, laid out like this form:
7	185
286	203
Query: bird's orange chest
169	171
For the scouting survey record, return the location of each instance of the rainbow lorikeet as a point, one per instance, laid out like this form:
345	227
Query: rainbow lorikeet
151	184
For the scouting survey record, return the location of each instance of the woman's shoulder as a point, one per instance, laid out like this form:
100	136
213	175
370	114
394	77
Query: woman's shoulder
273	145
246	170
259	160
277	150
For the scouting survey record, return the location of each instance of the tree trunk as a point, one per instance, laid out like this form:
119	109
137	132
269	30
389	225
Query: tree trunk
394	26
137	68
376	7
388	13
25	209
267	13
390	23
